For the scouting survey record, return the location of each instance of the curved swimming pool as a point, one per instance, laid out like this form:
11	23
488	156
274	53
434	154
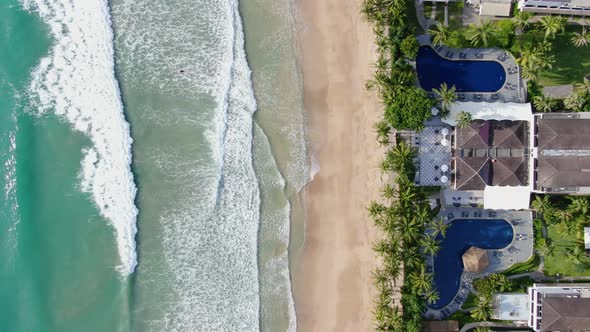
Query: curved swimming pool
465	75
462	234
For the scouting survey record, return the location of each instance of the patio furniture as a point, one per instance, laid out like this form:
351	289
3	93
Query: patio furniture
444	168
444	142
450	216
444	131
444	179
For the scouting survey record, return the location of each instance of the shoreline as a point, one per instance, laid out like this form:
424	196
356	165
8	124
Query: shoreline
332	278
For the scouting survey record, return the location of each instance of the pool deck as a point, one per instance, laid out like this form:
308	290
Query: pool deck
513	89
518	251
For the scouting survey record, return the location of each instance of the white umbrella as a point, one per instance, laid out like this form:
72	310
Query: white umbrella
444	168
445	131
444	179
444	142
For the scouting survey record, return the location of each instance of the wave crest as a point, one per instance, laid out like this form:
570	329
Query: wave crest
77	81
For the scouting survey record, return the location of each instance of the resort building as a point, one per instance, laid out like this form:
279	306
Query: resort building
547	307
564	307
562	7
561	153
505	154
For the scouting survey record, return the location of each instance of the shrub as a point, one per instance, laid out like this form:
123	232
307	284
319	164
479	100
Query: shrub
409	108
409	47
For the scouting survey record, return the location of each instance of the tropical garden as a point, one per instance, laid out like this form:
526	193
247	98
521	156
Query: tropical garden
562	245
549	51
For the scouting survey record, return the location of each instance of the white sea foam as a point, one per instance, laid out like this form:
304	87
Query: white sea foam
209	211
77	81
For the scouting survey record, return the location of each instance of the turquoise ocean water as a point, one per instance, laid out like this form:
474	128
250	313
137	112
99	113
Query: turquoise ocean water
151	157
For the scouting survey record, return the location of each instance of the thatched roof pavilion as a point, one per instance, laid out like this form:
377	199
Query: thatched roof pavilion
475	259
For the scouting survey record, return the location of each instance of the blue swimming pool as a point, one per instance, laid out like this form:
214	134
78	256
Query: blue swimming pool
462	234
465	75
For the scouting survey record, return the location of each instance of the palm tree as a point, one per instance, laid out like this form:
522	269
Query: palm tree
446	96
483	310
388	191
400	157
567	229
382	129
380	277
430	245
382	247
578	204
438	226
521	21
375	209
481	33
421	281
545	248
552	25
422	214
410	229
544	103
431	296
575	256
463	119
440	34
581	38
412	257
542	204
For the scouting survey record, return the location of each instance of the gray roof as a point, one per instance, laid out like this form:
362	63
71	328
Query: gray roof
491	153
563	153
565	314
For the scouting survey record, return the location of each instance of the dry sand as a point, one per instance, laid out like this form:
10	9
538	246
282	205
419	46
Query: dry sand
332	279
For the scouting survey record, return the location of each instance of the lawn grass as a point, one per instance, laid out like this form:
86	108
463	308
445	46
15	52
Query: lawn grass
557	263
529	266
470	301
571	63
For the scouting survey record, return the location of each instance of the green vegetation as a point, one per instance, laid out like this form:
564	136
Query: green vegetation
410	47
463	119
549	52
571	62
456	14
563	248
462	317
405	212
529	266
470	301
521	284
486	288
568	258
446	96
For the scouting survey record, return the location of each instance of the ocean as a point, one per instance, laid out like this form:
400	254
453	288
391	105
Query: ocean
153	155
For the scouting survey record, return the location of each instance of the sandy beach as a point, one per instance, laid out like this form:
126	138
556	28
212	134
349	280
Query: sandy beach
332	280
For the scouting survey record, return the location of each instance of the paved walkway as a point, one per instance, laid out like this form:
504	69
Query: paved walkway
422	20
470	326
